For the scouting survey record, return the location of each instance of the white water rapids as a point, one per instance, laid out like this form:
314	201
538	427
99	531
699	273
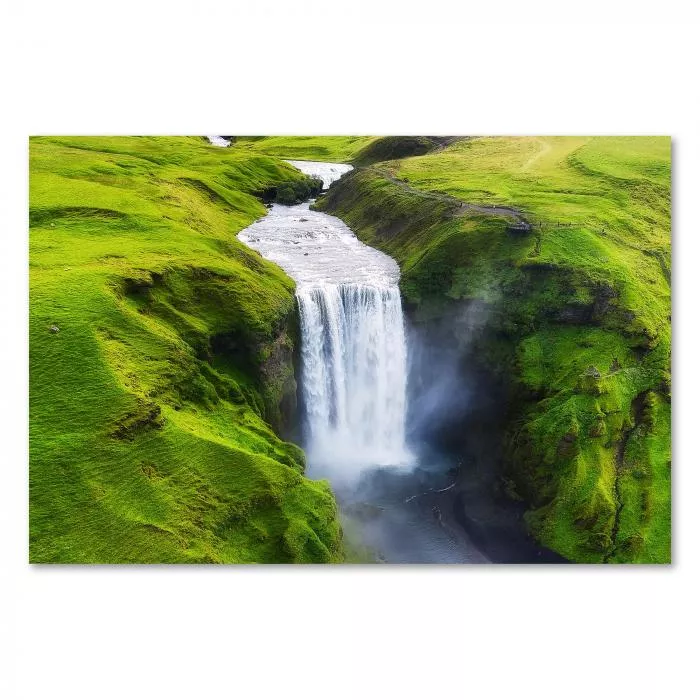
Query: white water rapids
353	347
326	172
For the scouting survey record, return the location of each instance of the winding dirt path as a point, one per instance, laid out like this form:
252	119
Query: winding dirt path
461	207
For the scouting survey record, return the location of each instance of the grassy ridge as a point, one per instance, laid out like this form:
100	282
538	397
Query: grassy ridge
579	314
359	150
160	353
329	149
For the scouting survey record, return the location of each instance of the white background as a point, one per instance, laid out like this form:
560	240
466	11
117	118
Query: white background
595	67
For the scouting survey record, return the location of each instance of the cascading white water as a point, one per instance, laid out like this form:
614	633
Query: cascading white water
326	172
353	348
354	374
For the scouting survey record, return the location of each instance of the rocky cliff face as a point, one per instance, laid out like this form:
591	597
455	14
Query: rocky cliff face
278	376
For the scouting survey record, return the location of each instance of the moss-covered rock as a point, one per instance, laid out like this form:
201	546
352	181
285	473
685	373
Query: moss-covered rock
394	147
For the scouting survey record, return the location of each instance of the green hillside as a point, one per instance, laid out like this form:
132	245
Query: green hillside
329	149
578	314
161	360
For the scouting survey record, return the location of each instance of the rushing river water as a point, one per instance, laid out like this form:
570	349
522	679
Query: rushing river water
326	172
353	384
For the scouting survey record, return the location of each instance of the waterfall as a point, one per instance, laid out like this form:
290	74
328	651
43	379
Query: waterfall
326	172
353	354
353	349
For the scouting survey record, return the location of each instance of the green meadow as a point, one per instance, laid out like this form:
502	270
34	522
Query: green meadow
160	369
579	314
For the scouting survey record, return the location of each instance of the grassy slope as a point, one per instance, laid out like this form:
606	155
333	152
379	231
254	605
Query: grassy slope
590	453
330	149
150	408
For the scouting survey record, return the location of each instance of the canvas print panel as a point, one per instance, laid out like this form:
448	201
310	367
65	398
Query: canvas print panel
411	349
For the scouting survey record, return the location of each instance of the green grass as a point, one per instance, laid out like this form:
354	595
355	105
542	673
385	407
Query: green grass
589	287
394	147
151	407
330	149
